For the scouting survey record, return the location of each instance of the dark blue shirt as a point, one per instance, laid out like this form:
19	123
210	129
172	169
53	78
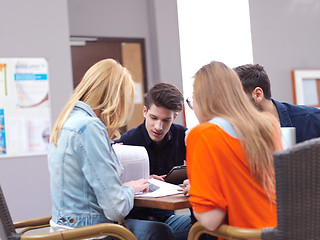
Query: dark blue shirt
162	157
305	119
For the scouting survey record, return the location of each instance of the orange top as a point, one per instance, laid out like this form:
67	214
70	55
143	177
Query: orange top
220	178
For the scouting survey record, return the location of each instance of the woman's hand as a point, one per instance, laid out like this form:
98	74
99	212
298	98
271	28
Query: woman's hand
140	185
186	184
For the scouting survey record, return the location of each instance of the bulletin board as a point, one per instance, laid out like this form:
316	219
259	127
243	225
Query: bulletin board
24	107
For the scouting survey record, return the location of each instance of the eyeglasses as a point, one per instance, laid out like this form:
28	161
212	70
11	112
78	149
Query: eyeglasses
189	100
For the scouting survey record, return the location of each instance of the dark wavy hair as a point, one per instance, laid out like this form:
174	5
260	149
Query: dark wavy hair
252	76
165	95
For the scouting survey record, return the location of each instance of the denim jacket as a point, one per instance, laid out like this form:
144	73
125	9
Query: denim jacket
305	119
84	173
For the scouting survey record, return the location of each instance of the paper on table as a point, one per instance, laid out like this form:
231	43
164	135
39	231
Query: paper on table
165	189
135	161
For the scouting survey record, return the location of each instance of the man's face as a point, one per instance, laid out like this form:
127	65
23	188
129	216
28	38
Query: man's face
158	121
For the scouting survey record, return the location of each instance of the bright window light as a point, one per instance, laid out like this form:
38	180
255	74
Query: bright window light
212	30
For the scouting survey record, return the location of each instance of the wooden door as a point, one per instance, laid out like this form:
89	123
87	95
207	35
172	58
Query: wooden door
83	57
130	53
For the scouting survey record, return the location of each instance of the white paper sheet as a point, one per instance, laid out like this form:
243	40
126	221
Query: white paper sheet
165	189
135	161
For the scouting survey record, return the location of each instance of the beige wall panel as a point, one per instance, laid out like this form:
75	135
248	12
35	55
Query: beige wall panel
132	60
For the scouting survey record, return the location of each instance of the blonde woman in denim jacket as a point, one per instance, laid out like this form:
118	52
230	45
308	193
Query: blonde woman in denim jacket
84	170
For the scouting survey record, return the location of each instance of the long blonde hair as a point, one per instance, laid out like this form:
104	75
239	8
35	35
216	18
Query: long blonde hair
108	89
218	92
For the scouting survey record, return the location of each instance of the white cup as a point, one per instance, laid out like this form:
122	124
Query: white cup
288	137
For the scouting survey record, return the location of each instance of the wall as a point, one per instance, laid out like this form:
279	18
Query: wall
35	28
155	21
38	28
285	36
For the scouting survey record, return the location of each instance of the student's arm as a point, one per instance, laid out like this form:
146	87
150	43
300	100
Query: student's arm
211	220
204	172
102	170
316	122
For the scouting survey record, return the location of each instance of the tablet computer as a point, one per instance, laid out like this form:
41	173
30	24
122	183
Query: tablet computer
177	175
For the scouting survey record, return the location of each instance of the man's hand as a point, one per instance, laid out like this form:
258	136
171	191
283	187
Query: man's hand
161	178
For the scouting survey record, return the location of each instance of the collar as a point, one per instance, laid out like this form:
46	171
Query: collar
85	107
284	117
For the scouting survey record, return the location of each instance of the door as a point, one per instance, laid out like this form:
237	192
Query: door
129	52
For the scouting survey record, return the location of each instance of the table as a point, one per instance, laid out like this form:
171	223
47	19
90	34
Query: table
173	202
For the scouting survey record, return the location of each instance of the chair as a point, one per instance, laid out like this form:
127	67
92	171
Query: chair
8	228
297	172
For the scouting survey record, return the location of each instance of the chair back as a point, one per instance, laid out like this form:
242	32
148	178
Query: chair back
297	172
7	230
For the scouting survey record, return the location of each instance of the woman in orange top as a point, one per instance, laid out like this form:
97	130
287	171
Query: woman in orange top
230	154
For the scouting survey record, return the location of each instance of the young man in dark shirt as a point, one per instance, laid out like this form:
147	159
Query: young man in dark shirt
164	142
256	84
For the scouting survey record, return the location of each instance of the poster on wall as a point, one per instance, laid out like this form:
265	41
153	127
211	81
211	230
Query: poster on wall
24	107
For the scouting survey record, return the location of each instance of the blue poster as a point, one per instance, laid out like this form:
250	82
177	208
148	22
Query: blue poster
3	148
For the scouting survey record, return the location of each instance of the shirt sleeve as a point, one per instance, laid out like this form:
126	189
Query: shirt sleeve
101	169
206	192
316	122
